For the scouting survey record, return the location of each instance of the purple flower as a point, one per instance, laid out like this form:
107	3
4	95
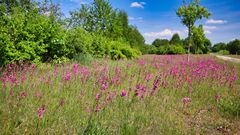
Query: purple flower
67	77
138	86
143	95
137	92
97	109
23	94
124	93
143	88
186	100
41	110
98	96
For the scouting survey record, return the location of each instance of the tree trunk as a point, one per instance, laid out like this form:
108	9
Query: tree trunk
189	43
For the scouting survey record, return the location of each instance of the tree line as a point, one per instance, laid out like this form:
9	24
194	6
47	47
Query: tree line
38	32
233	47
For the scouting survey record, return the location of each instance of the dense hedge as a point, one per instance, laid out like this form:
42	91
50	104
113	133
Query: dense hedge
170	49
37	36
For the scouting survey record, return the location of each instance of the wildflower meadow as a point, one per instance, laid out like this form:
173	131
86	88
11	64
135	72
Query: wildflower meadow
150	95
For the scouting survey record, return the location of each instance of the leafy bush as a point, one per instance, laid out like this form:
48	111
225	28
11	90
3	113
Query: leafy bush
176	49
171	49
224	52
79	42
116	55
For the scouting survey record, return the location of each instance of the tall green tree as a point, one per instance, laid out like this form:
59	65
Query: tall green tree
234	46
134	37
175	40
189	14
219	46
160	42
96	17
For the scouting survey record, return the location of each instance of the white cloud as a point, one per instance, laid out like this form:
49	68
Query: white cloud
162	34
140	19
209	27
138	4
212	21
207	32
79	1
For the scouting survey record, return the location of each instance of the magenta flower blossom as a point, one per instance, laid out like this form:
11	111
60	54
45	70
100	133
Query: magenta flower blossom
143	88
186	100
124	93
138	86
98	96
97	109
23	94
143	95
67	77
41	110
75	68
137	92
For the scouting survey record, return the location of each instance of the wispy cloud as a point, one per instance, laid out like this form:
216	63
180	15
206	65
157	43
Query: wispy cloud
212	21
162	34
206	27
138	4
207	32
139	19
80	1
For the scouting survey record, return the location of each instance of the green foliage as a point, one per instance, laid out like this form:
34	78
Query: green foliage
223	52
100	18
219	46
79	41
160	42
175	40
234	47
201	45
172	49
35	32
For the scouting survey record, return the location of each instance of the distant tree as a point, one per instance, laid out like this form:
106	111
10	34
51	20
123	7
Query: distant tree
219	46
48	8
134	37
234	46
189	14
122	15
97	17
207	46
175	40
25	5
160	42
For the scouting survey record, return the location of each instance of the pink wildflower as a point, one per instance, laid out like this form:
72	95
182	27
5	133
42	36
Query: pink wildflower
186	100
124	93
41	110
23	94
137	92
98	96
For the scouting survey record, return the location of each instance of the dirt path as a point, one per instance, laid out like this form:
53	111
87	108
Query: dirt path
227	58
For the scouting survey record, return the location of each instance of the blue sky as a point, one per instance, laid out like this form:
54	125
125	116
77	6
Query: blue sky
157	18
